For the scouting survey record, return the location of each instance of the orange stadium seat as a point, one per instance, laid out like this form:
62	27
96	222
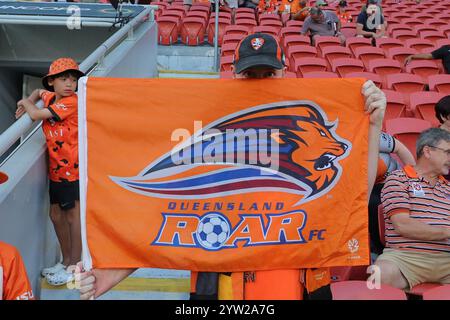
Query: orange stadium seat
367	75
304	65
245	15
423	68
432	35
289	31
301	51
222	16
365	54
294	23
407	130
193	31
388	43
167	30
358	290
248	10
423	16
342	66
422	105
249	23
424	27
438	293
228	49
223	23
405	83
200	7
320	74
445	30
325	41
398	26
412	22
384	67
435	22
272	23
400	54
403	35
439	83
399	15
268	16
198	14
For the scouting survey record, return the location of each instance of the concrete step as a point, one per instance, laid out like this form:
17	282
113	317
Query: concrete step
143	284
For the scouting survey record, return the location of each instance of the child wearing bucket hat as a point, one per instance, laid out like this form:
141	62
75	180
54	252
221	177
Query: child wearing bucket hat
60	126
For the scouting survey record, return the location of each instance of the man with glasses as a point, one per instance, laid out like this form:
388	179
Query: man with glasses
416	204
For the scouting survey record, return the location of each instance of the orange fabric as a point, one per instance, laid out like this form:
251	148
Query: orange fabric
411	172
381	170
132	126
317	278
267	6
194	276
231	287
344	17
16	285
62	64
274	285
294	6
61	134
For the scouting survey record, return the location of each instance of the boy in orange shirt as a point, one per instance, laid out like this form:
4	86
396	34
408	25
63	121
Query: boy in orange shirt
60	126
14	283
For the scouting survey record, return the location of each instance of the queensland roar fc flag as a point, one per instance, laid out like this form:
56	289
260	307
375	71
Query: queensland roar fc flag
223	175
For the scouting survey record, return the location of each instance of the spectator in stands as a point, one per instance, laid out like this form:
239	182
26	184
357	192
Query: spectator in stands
268	6
252	4
416	206
442	109
14	283
302	13
370	22
386	164
322	23
60	126
291	7
442	53
260	57
343	15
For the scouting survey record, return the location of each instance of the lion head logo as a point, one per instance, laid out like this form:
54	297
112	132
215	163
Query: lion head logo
307	154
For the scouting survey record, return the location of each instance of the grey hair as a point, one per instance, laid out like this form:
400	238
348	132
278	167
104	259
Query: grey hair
431	137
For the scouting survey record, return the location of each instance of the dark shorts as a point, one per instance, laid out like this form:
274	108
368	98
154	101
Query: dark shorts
64	194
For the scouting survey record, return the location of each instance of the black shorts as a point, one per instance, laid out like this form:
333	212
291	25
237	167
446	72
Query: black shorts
64	193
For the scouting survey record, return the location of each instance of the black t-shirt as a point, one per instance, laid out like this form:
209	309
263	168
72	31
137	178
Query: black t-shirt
444	54
369	23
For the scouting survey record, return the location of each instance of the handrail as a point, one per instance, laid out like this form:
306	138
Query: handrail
19	127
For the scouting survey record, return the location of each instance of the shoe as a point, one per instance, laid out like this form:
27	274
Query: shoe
56	268
59	278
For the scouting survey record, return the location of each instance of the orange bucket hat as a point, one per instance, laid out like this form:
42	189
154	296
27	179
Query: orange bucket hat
59	66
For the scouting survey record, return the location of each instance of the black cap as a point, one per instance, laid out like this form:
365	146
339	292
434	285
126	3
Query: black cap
342	3
258	50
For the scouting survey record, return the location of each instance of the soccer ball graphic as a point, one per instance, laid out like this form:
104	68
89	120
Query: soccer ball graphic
213	230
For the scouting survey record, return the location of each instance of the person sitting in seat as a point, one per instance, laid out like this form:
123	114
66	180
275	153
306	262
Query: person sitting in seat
322	23
442	53
370	22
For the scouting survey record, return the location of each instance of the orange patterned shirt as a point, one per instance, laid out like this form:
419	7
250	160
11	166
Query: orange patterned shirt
61	134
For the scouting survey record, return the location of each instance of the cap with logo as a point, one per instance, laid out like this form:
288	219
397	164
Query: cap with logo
258	50
59	66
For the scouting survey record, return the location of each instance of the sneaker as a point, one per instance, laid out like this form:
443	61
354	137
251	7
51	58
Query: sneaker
59	278
56	268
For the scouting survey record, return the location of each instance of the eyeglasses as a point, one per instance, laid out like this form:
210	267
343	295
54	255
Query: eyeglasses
446	151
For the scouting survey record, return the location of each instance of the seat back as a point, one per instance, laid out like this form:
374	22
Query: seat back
358	290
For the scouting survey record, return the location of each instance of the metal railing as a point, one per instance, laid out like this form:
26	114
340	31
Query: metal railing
24	123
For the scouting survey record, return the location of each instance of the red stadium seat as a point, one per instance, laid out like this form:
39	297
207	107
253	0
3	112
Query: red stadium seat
228	49
340	273
346	65
236	30
398	26
167	30
325	41
423	68
267	29
290	41
423	16
348	30
422	105
384	67
320	74
438	293
412	22
355	42
335	52
249	23
268	16
442	42
439	83
405	83
400	54
289	31
272	23
232	38
222	15
399	15
396	105
388	43
245	15
367	75
407	130
226	62
226	74
419	44
421	288
432	35
289	74
193	31
248	10
294	23
445	30
435	22
223	23
365	54
422	28
198	14
304	65
358	290
403	35
301	51
200	7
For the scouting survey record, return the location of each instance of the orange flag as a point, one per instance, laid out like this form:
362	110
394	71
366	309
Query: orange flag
223	175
